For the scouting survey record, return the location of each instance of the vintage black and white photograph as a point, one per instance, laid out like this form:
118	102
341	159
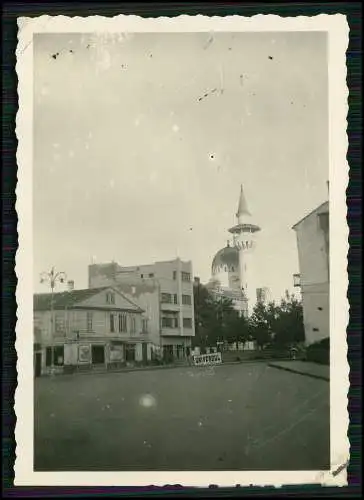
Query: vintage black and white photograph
183	249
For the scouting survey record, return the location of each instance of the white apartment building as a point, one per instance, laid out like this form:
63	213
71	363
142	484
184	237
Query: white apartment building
163	289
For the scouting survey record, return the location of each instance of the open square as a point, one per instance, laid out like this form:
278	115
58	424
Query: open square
230	417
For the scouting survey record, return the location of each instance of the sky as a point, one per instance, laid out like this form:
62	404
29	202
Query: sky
141	142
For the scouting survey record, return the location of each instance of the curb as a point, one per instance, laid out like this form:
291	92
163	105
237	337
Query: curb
152	368
299	372
108	372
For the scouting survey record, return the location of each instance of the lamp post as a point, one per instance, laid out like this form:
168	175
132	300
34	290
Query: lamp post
52	278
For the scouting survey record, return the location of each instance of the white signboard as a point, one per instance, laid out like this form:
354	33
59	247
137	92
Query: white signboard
207	359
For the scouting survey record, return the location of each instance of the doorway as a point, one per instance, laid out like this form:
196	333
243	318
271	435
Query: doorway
145	352
98	354
38	364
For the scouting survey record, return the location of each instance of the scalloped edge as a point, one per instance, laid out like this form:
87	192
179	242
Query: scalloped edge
338	30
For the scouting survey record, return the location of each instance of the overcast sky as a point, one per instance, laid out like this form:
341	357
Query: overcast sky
133	163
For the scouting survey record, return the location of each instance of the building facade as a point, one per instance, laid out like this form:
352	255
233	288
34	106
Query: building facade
165	291
81	329
232	271
313	243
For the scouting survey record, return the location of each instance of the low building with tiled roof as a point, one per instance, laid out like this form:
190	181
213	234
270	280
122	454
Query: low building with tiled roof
80	329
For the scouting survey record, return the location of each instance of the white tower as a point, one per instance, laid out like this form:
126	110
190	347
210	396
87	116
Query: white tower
244	236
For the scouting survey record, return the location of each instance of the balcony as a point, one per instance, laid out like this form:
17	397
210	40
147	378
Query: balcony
296	280
170	332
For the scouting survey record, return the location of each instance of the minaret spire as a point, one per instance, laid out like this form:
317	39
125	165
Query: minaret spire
243	206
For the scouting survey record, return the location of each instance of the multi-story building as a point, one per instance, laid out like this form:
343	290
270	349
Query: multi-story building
80	329
165	289
313	244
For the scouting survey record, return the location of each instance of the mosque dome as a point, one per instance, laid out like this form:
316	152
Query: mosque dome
226	260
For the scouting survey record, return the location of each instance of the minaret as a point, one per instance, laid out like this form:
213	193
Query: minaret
244	233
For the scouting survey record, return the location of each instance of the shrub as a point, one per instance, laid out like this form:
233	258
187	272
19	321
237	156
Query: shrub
319	352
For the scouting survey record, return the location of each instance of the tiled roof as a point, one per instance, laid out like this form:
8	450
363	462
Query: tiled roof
61	300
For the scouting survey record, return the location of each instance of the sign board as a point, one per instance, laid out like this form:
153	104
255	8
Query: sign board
84	354
207	359
116	353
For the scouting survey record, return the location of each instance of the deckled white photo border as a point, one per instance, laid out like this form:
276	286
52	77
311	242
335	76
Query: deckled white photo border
337	28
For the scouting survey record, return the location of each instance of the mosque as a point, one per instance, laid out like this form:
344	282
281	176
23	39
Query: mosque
232	270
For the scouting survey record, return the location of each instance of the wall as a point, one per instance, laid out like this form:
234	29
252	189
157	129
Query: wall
144	292
316	311
147	297
99	300
313	254
75	321
312	250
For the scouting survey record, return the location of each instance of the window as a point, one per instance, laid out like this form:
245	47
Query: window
186	276
132	324
175	298
89	321
170	321
112	323
166	298
110	298
59	323
187	322
186	300
144	326
174	275
122	323
151	275
167	322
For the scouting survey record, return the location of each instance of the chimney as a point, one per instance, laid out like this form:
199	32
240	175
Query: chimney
71	285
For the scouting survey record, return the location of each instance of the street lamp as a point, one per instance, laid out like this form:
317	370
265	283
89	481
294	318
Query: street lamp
52	278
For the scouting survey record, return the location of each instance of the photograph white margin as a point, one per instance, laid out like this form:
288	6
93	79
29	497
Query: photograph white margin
337	28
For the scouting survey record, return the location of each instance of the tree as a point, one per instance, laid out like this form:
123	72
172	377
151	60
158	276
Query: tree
261	323
236	329
289	326
213	317
280	324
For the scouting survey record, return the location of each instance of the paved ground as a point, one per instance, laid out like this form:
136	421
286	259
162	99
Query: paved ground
305	368
234	417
